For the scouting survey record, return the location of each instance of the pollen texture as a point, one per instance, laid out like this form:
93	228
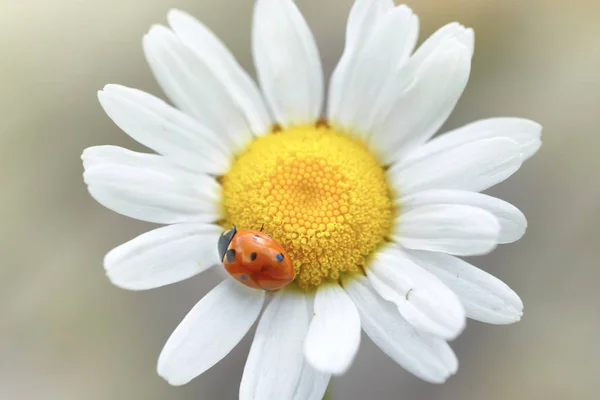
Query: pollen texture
319	193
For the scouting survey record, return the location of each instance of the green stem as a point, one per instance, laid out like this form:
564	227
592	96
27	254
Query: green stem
327	395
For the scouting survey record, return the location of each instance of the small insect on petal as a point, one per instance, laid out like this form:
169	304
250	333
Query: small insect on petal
255	259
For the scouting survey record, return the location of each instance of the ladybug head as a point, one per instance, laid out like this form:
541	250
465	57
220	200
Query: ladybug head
224	241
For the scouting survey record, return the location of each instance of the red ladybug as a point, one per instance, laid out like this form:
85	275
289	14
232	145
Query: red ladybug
255	259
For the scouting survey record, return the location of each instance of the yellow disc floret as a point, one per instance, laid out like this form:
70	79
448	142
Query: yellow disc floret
319	193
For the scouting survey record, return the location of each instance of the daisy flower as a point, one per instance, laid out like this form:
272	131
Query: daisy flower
371	209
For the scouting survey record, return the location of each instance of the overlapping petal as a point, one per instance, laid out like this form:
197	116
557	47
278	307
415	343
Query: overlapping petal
199	88
473	166
166	130
149	187
512	221
213	53
287	63
428	357
422	299
210	330
275	367
423	105
312	384
454	229
163	256
363	19
485	297
364	70
334	333
526	133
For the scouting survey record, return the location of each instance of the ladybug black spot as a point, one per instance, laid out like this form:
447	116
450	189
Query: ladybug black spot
230	255
253	256
279	257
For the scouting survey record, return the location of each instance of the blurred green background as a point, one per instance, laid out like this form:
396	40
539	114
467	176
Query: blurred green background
67	333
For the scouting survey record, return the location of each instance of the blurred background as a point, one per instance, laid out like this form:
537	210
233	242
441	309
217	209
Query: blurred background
67	333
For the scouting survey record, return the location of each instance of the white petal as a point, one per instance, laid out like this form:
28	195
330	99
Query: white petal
428	357
435	44
512	221
287	62
275	363
458	230
210	331
166	130
367	74
106	155
486	298
526	133
163	256
453	30
334	334
423	300
312	384
208	48
148	187
364	18
195	88
411	110
474	166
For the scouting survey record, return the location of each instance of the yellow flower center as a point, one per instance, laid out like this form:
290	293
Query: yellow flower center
318	192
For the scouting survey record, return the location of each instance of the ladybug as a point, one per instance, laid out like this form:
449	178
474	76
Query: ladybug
255	259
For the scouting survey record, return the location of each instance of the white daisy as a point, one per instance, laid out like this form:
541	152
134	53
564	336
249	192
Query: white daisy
369	207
